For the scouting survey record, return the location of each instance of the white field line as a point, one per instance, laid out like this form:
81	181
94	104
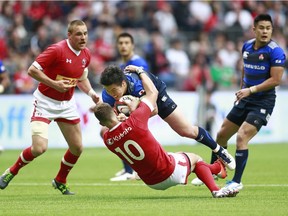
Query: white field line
130	184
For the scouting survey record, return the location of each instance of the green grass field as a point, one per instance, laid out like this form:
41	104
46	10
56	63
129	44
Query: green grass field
30	193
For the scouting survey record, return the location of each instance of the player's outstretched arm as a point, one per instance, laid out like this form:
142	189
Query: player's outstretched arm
150	89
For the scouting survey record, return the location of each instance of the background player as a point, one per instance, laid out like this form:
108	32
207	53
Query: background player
59	69
263	67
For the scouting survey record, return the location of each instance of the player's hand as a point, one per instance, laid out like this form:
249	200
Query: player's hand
131	101
96	99
121	117
131	69
242	93
62	85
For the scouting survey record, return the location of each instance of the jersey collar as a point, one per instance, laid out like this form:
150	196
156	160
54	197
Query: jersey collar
73	50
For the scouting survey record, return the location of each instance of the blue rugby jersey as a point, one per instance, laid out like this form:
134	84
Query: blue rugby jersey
257	66
134	83
2	67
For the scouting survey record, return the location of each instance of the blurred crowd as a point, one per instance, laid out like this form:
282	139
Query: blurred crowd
187	43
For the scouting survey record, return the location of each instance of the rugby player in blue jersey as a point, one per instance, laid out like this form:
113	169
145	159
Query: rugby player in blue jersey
263	67
116	83
125	47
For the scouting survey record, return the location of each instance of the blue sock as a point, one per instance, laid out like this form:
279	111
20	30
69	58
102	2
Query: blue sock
127	168
241	158
205	138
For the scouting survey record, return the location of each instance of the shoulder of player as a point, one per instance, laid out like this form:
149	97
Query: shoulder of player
273	45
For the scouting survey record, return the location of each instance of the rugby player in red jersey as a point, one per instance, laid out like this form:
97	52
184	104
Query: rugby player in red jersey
59	69
132	141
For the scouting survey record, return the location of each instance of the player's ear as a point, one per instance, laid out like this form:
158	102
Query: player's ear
124	84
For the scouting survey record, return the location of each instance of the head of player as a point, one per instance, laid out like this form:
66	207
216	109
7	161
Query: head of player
114	81
125	46
77	34
263	29
106	115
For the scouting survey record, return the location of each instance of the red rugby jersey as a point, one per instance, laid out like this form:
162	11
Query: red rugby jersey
58	62
134	143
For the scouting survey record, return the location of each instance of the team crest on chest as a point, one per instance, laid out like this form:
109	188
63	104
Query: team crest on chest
261	57
84	62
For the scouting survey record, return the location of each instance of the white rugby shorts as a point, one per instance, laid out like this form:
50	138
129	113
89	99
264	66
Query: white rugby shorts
180	174
47	109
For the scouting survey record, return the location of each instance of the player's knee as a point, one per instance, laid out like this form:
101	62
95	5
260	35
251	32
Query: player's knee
76	149
38	149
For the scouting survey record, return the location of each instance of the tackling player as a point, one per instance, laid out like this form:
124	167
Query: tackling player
59	69
116	84
132	141
125	47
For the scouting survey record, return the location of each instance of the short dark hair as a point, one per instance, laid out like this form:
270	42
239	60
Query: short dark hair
112	75
125	34
262	17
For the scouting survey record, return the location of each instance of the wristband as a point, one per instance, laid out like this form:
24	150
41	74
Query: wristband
91	92
1	88
253	89
139	70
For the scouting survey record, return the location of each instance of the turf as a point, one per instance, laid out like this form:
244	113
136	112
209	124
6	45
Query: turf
30	193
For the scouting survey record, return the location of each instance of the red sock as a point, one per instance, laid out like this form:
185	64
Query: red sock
203	172
215	168
25	157
67	163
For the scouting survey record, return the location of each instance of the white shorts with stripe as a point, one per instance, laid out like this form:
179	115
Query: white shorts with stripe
180	174
47	109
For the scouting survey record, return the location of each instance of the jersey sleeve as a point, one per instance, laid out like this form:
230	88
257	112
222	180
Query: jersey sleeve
48	56
278	57
106	98
139	118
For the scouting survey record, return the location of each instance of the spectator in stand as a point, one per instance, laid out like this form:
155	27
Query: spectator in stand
238	20
178	60
159	64
165	20
199	74
229	55
22	82
40	41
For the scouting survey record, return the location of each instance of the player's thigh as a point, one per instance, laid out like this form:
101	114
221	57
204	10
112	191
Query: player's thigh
227	130
181	125
73	136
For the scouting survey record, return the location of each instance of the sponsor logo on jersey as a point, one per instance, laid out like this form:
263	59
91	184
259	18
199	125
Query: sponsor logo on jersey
84	61
255	67
122	134
261	57
69	61
164	98
72	81
245	54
